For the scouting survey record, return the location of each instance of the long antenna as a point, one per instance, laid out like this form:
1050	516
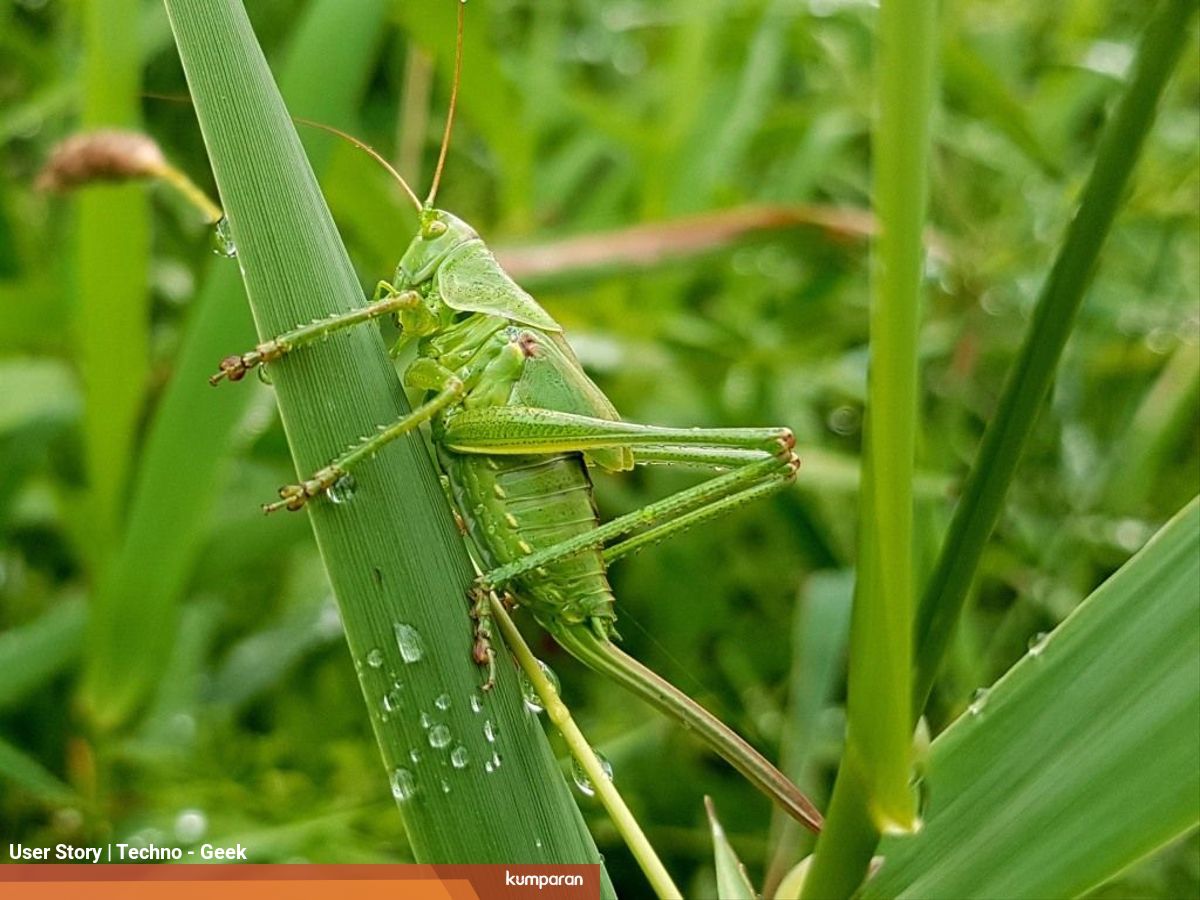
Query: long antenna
458	55
370	151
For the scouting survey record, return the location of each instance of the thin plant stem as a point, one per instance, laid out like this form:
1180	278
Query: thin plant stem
872	795
635	839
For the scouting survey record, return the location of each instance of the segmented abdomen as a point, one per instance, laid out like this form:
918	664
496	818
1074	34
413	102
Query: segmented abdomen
514	505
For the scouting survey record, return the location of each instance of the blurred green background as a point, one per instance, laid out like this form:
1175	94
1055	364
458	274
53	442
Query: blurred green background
128	486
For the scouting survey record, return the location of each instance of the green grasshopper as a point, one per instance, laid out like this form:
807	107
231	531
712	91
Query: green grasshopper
515	424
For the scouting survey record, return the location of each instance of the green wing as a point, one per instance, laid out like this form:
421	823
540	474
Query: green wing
554	379
470	280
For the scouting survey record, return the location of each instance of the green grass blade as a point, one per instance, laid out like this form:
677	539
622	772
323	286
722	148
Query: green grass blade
23	770
1084	757
1054	316
392	552
136	604
872	793
33	654
732	881
112	303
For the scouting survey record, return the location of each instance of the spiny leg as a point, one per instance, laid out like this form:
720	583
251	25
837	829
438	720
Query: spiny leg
423	374
530	430
294	496
757	469
717	458
689	507
386	300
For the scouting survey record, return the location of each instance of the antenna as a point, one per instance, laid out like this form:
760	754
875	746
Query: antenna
370	151
458	54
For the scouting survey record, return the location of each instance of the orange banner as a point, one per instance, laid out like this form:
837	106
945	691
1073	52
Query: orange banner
297	882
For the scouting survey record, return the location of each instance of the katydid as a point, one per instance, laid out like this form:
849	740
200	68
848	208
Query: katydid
515	424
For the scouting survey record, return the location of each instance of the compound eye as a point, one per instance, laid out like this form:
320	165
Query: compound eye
436	228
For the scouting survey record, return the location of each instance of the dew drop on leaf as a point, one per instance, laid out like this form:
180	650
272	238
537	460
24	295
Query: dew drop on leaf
410	642
404	785
222	239
581	778
342	490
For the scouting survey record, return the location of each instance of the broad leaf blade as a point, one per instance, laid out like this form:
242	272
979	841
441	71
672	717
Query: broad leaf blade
1084	757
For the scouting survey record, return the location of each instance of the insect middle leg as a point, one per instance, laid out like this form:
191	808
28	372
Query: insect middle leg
431	376
386	301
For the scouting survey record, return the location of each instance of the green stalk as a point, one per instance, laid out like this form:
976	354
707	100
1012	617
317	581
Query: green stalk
558	714
872	794
112	322
135	605
1032	374
602	656
472	772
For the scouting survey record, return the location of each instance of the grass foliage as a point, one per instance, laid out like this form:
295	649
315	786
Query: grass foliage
169	657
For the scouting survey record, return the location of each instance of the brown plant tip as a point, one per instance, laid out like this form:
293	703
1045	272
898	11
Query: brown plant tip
112	156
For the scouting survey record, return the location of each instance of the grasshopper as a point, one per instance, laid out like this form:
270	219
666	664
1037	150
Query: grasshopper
515	424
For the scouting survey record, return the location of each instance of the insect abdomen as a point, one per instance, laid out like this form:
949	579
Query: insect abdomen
515	505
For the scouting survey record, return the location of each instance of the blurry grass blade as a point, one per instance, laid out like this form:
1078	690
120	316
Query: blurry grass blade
1080	760
21	769
135	604
36	390
397	564
732	881
33	654
114	244
721	148
1161	421
1032	373
970	81
642	246
820	627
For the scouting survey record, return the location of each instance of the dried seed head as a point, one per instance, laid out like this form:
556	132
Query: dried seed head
101	156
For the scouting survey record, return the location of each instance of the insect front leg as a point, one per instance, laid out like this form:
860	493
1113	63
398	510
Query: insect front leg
387	300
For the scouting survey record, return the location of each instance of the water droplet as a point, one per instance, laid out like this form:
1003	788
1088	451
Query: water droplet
415	755
459	757
490	731
222	239
342	490
190	826
263	375
442	702
1037	643
375	658
978	701
581	778
495	760
404	785
410	642
537	842
445	786
532	701
439	736
845	420
392	701
425	720
476	703
488	767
